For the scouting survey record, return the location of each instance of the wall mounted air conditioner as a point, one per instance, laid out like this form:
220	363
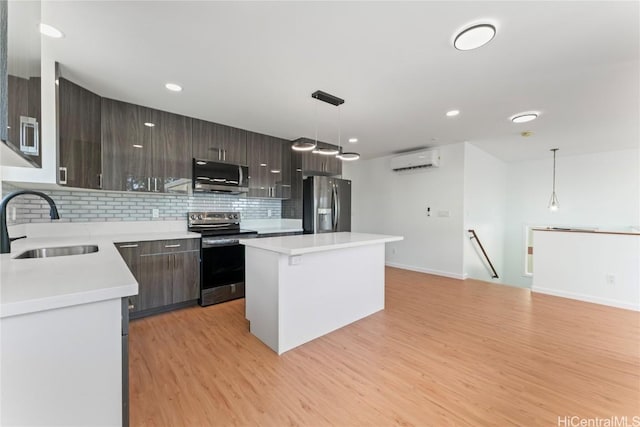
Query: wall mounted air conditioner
416	160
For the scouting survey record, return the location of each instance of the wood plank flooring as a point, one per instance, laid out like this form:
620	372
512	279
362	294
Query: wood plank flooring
443	352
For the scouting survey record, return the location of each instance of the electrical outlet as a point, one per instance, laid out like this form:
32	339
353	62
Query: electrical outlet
269	213
611	279
295	260
393	251
155	213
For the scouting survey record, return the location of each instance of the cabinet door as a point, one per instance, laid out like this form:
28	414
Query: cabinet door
186	276
170	152
292	208
257	155
126	146
130	252
219	143
156	281
234	144
79	139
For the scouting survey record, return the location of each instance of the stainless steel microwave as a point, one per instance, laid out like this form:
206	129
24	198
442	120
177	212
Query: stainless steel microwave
219	177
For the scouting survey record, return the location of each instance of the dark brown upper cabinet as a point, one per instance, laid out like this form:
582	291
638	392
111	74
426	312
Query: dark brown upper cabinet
267	177
216	142
145	149
79	139
318	164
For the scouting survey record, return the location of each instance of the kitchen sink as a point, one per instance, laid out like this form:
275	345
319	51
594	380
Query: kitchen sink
60	251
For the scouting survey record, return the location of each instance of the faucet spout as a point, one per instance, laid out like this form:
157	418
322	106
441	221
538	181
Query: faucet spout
5	242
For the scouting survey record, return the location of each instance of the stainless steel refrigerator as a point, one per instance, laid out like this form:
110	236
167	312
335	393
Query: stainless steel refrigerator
326	204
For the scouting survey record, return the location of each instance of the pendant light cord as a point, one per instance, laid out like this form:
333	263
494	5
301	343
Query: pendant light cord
554	169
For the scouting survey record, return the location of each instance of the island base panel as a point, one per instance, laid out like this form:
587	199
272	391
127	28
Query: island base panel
292	301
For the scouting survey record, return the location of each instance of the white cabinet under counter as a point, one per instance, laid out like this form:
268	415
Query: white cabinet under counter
299	288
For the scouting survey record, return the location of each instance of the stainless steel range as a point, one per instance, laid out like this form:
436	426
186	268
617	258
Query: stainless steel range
222	257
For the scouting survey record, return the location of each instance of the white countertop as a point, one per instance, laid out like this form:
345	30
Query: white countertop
308	243
271	226
37	284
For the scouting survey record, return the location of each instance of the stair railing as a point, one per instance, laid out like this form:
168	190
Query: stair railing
475	236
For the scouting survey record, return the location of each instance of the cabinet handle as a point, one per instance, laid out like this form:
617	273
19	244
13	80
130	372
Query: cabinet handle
99	180
62	170
149	184
177	245
132	245
219	154
155	184
224	155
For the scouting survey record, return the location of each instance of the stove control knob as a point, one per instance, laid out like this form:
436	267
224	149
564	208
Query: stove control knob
193	216
235	216
200	216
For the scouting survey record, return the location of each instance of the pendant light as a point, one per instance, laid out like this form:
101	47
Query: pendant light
554	204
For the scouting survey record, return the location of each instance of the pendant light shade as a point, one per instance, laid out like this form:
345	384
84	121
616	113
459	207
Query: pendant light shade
554	204
326	151
348	156
304	144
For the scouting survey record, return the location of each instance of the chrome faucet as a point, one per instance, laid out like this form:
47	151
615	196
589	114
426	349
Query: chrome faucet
5	242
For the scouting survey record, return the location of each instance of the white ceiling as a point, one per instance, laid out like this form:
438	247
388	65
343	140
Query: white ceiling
255	65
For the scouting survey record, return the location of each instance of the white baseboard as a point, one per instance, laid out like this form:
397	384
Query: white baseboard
428	271
587	298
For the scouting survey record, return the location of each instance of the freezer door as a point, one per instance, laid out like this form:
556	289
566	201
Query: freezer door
343	205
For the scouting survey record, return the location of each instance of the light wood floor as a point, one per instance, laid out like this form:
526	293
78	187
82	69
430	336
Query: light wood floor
443	352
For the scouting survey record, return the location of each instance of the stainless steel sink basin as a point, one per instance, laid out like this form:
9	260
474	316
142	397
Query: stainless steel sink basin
60	251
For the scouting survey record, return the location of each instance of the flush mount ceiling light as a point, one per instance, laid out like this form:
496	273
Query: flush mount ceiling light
149	124
453	113
353	140
173	87
474	37
524	117
50	31
554	204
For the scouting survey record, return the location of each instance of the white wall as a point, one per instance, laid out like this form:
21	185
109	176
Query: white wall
599	189
485	188
388	202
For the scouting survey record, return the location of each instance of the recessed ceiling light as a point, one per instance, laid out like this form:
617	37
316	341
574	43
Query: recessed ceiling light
137	146
453	113
49	31
474	37
173	87
524	117
149	124
353	140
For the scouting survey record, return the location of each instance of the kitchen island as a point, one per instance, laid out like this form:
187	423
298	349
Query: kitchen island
299	288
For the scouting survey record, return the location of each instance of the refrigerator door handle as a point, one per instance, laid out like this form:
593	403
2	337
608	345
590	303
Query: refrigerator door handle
336	207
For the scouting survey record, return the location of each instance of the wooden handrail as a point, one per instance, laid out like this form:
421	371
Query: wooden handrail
474	236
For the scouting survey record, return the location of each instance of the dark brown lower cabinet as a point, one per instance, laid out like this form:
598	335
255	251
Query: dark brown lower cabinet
167	272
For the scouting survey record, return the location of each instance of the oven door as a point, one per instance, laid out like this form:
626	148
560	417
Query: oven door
222	275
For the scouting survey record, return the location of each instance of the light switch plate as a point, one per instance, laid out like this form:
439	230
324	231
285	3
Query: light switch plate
155	213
